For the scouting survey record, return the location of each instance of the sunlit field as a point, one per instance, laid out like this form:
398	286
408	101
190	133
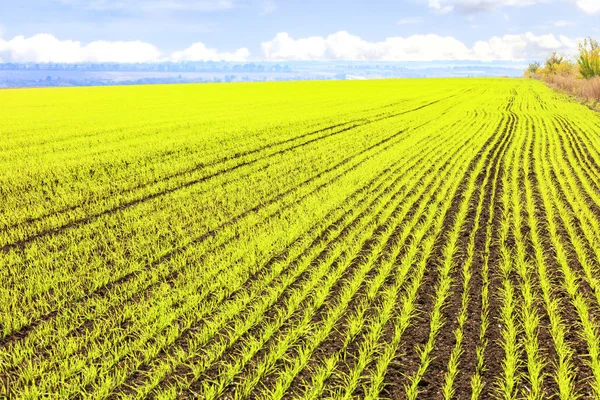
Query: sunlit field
372	239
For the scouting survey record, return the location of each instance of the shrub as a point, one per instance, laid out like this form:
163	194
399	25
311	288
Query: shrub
591	90
564	75
534	67
589	58
552	63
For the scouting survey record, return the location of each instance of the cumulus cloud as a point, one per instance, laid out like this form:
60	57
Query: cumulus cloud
344	46
589	6
525	46
47	48
338	46
199	52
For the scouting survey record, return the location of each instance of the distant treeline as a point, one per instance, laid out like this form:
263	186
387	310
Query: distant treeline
201	66
579	75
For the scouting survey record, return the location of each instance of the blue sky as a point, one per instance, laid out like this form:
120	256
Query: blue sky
150	30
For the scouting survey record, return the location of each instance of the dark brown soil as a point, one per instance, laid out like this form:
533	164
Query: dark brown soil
408	360
568	313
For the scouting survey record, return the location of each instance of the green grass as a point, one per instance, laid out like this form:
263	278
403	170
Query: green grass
374	239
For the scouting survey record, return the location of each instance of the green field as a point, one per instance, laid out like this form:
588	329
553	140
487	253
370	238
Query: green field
371	239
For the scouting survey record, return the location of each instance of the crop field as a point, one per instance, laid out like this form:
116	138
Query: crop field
347	240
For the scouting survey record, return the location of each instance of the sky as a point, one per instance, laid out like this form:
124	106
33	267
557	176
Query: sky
285	30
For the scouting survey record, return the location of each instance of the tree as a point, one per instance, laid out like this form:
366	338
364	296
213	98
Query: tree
533	67
589	58
553	62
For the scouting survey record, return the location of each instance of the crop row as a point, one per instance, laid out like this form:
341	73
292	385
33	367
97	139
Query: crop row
411	239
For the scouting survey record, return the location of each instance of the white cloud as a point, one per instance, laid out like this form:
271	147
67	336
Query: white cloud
410	20
268	7
589	6
47	48
438	5
470	6
525	46
344	46
199	52
338	46
563	23
283	47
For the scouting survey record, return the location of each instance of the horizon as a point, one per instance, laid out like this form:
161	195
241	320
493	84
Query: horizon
100	74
